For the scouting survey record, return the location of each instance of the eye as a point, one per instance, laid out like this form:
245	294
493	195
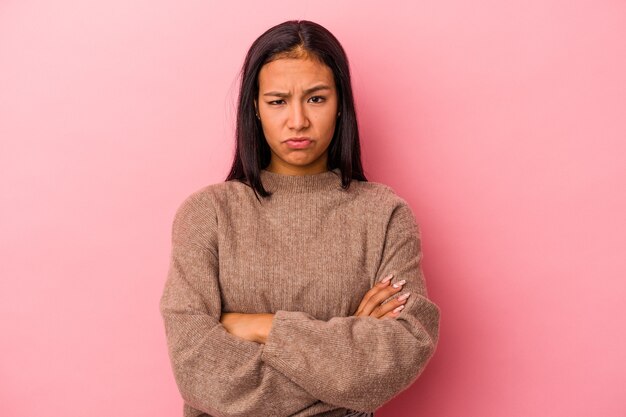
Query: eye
274	102
320	99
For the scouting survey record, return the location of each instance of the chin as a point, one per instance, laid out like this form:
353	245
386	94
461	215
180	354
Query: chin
299	162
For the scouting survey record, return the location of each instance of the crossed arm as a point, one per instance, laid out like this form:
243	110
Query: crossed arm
256	327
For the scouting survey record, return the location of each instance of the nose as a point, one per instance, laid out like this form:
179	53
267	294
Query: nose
297	119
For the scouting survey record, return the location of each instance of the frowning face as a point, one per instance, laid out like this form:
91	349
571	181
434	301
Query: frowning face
297	105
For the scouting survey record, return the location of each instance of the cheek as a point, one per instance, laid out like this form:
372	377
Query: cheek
271	127
330	117
327	123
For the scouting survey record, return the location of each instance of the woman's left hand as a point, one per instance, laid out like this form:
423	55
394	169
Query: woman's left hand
251	327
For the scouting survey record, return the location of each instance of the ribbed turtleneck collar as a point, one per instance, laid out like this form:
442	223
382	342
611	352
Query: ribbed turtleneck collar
294	184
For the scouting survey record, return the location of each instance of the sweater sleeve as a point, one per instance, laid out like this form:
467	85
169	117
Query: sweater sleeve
216	372
362	362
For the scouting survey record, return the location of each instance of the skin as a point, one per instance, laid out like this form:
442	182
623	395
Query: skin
294	112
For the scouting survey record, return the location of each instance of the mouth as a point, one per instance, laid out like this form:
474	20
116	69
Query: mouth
298	143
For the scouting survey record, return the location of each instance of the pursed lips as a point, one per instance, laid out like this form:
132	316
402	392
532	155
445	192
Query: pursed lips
298	142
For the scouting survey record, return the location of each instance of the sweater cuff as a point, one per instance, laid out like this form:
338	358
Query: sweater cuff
279	336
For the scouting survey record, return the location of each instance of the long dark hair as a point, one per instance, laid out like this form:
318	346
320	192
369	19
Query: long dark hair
290	39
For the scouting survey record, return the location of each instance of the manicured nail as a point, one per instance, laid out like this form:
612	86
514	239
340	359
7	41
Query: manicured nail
404	296
397	309
386	279
399	284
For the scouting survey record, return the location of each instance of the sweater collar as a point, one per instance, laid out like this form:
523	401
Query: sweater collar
295	184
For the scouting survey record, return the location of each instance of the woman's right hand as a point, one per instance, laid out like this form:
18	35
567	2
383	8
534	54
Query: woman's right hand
372	306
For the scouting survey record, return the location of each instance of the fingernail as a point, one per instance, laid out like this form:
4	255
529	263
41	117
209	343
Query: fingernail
386	279
397	309
404	296
399	284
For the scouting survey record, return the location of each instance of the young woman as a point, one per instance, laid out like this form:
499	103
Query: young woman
295	286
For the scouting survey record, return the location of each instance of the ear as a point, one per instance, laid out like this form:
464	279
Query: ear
256	110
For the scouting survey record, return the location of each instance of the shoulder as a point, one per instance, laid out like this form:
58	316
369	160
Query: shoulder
208	198
196	216
380	195
385	203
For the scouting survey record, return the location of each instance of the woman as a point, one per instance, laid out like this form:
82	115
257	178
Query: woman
295	286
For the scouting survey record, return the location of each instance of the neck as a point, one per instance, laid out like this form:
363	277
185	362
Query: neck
278	166
295	184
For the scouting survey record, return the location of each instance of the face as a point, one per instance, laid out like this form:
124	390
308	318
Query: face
297	104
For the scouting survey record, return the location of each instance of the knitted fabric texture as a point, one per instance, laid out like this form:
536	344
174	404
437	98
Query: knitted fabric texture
308	254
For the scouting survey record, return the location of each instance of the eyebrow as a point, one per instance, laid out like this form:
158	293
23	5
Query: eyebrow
307	91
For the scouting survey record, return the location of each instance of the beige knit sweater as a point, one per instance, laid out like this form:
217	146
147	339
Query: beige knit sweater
308	254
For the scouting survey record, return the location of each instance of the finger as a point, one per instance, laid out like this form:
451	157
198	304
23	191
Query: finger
380	285
381	296
393	314
383	283
393	307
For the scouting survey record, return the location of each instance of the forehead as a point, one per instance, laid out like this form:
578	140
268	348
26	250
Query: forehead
289	72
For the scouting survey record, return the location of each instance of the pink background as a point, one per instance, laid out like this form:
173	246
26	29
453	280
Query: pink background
502	123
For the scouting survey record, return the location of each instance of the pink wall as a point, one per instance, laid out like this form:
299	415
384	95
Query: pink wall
502	123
